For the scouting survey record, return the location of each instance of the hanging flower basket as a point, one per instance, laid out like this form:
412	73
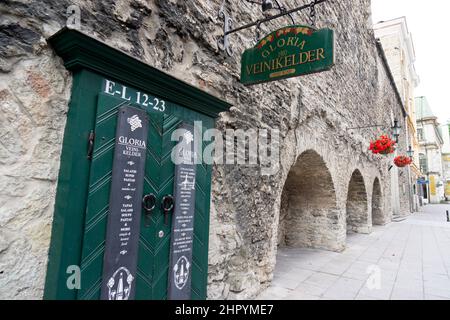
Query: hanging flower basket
384	145
402	161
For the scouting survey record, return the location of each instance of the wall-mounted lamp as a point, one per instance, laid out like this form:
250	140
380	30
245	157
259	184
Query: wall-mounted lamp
410	152
267	5
396	129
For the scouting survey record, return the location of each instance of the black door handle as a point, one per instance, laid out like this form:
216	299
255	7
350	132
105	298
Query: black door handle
167	204
149	204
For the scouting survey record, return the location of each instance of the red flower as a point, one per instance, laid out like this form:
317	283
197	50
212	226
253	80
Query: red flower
384	145
402	161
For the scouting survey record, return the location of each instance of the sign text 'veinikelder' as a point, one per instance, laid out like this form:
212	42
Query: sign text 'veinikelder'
288	52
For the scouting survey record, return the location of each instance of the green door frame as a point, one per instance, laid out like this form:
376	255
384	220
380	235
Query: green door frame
91	60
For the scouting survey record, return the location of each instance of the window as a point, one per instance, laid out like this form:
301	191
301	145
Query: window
423	163
420	135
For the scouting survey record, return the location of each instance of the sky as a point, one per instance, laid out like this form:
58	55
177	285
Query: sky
428	23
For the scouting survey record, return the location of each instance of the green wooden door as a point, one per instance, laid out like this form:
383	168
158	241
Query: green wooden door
154	240
81	204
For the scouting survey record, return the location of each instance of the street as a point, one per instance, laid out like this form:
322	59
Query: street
408	260
224	151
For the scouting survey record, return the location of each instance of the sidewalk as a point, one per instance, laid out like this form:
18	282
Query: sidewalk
405	260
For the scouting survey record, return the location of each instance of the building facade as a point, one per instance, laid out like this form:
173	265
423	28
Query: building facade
445	129
399	49
430	152
327	182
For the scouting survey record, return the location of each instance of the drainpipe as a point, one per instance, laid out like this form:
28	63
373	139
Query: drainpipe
410	191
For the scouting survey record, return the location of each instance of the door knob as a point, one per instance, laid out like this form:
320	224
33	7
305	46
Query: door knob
149	204
167	204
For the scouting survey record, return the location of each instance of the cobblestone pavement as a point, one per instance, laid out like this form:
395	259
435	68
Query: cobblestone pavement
408	260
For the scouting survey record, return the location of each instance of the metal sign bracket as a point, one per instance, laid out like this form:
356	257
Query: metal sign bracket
224	43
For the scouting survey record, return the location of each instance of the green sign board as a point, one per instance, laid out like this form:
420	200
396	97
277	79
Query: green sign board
288	52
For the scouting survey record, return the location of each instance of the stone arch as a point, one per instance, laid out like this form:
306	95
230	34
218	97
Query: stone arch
309	217
377	204
357	209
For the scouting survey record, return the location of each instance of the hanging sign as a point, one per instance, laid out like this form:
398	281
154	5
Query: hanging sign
124	214
288	52
180	272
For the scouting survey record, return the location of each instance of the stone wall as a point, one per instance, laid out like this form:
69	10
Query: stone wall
34	93
312	213
378	217
314	114
357	218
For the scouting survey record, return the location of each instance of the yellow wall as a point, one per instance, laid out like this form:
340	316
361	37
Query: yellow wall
432	186
447	189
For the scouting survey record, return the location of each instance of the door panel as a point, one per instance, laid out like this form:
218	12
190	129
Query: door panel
98	198
153	258
154	239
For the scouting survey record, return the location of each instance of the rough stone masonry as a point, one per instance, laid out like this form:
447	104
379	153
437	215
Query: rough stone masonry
328	182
